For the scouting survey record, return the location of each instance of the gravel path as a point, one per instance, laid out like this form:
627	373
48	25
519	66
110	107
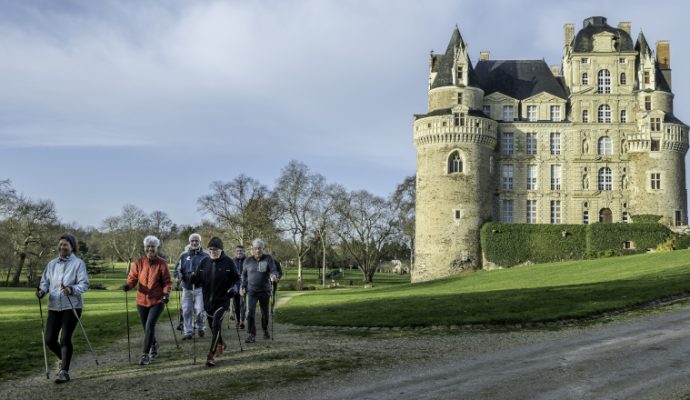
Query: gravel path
634	357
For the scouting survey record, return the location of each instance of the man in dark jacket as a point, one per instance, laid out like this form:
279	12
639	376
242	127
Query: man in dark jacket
219	279
258	272
238	304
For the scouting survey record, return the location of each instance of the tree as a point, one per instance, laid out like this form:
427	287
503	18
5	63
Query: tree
404	201
296	193
323	217
160	224
364	224
125	233
243	206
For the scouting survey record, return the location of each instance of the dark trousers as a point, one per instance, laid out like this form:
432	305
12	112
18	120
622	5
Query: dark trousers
262	298
61	323
149	316
215	321
239	308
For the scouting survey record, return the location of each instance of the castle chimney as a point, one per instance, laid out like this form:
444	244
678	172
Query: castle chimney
569	31
663	54
625	25
556	70
483	56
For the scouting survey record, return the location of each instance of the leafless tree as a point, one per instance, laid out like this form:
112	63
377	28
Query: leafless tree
124	233
324	221
404	202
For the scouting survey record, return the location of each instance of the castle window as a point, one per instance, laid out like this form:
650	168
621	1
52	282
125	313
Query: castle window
555	211
655	124
654	145
507	143
585	78
604	81
604	114
678	218
604	146
531	211
454	163
622	60
459	77
458	214
604	179
532	113
508	177
624	116
555	143
487	110
655	180
508	114
628	245
585	217
555	177
507	211
585	115
459	119
626	217
555	113
459	98
531	177
648	103
584	60
531	143
623	79
646	77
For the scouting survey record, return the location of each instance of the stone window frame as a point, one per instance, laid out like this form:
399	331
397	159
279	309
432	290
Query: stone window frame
555	143
605	179
585	78
556	212
555	113
507	211
532	175
455	166
655	180
604	114
604	146
604	81
531	145
532	114
507	143
507	176
531	211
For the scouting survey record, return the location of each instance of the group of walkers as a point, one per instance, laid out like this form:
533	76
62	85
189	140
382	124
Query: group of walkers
209	280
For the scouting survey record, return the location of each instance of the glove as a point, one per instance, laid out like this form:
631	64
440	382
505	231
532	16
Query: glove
66	290
166	298
243	291
40	293
274	279
126	287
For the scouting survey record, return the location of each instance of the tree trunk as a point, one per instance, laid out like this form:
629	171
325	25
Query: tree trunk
18	272
323	261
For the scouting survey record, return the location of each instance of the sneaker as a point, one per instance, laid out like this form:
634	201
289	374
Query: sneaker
250	339
154	350
210	361
144	360
201	333
241	324
187	337
62	377
266	335
179	327
219	350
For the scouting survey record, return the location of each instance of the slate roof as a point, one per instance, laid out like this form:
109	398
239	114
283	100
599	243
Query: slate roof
448	111
584	40
519	79
443	63
670	118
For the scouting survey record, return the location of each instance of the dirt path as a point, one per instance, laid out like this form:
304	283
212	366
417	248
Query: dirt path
643	357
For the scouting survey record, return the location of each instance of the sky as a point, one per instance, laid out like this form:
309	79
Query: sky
106	103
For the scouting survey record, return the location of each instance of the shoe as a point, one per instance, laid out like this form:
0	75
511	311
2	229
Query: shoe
154	350
62	377
250	339
187	337
241	324
179	327
219	350
201	333
266	335
210	361
144	360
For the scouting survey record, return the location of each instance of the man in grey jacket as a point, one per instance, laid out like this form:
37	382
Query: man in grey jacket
258	272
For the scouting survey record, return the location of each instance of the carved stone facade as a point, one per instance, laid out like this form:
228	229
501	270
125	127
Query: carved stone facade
594	140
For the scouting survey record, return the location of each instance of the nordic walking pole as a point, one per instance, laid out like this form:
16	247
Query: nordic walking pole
82	327
129	344
270	314
194	319
237	328
43	336
172	326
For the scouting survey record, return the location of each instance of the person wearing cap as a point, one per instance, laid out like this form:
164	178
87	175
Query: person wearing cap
218	276
64	279
151	274
192	297
258	272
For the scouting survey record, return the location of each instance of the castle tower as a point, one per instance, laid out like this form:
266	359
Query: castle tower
455	154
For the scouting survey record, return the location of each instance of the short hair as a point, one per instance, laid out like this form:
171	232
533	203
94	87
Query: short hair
239	246
258	242
152	240
195	235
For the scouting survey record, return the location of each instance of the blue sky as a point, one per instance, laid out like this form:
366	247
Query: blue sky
105	103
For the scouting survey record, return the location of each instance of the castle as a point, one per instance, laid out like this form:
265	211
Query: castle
517	141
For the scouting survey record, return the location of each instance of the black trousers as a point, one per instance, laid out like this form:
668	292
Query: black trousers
215	321
239	308
149	317
61	323
262	298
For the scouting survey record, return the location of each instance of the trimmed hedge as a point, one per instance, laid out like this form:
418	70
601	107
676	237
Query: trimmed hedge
513	244
646	219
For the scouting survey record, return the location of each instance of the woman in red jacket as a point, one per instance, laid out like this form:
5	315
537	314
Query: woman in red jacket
152	275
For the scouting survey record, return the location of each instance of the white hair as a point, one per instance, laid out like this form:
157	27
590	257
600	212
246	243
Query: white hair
258	242
152	240
195	235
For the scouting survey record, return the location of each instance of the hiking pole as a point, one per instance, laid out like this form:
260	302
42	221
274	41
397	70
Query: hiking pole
195	317
270	314
43	336
129	344
82	327
239	340
177	345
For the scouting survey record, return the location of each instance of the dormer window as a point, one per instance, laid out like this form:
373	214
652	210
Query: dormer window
459	73
459	98
584	60
555	113
646	77
508	114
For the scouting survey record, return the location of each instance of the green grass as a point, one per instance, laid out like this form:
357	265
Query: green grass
538	293
350	279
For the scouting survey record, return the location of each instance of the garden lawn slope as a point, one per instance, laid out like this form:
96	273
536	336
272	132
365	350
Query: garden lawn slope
537	293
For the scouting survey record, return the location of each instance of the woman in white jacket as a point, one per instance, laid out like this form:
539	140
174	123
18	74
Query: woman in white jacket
65	280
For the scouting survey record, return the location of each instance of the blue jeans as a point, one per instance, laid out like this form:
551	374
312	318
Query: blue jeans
192	310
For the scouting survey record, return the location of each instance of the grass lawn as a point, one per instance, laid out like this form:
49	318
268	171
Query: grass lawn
543	292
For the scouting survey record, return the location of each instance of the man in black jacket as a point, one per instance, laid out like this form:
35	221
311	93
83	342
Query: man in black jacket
258	272
219	278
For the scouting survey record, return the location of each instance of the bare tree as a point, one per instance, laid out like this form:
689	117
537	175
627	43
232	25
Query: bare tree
365	223
124	233
324	221
296	193
404	201
243	206
160	224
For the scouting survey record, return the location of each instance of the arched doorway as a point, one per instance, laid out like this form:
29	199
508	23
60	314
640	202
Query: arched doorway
605	216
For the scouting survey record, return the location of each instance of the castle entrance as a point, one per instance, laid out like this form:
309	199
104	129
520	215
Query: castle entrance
605	216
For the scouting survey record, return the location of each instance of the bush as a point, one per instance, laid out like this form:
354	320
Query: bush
646	219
